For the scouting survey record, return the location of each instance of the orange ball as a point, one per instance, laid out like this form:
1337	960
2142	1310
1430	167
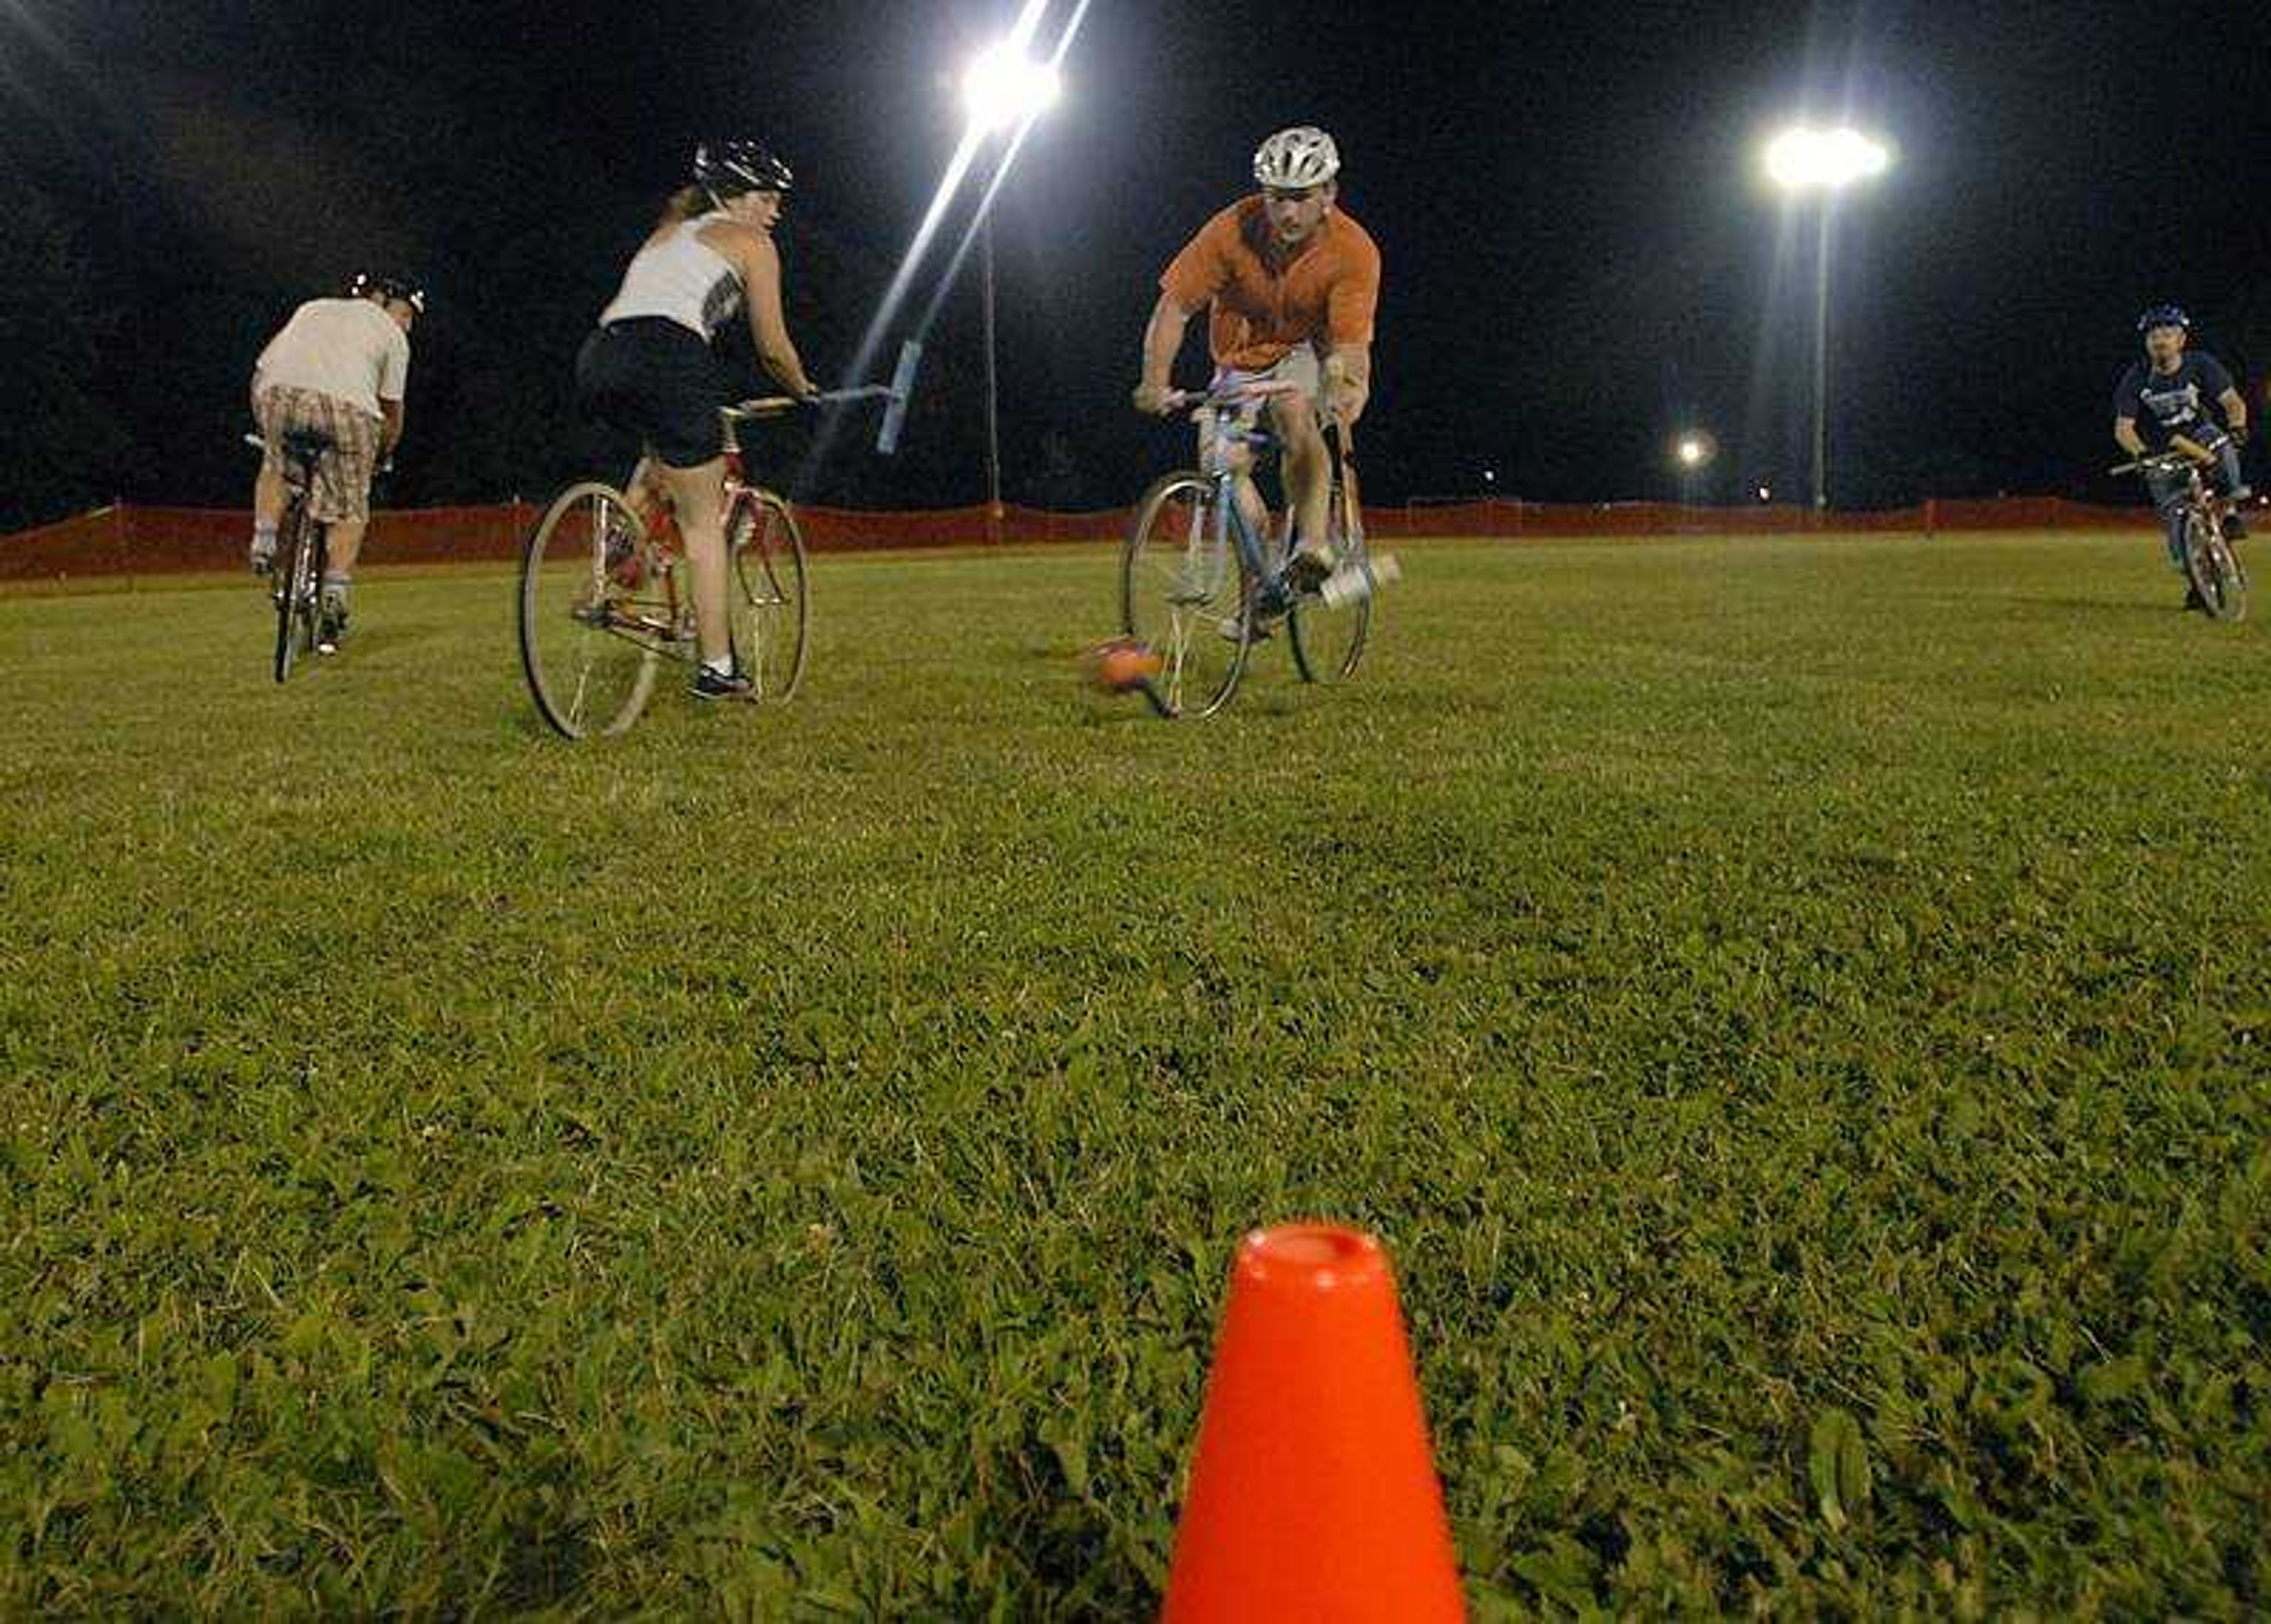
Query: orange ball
1122	665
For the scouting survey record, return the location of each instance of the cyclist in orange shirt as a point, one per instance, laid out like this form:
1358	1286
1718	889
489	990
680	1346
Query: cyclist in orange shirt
1291	283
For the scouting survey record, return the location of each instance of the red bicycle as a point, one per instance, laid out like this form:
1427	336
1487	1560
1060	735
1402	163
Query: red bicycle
603	603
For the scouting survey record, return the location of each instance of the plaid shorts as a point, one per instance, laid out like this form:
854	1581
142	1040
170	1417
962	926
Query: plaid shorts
342	493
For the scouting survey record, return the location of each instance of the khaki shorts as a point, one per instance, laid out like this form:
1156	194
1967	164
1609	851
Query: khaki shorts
1299	365
342	492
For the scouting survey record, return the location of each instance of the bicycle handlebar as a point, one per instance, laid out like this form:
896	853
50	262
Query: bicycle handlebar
1222	399
1197	400
777	405
2157	462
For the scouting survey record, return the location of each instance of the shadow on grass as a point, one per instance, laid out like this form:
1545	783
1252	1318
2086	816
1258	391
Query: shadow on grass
2128	608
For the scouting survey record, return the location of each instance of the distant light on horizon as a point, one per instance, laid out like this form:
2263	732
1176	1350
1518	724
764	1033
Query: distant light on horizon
1766	493
1692	450
1004	86
1803	159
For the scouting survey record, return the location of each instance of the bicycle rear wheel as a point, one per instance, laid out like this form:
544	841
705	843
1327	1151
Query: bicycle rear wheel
597	612
2214	569
297	577
1186	594
771	607
1328	643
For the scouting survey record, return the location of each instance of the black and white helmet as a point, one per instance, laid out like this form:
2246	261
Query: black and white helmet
729	169
387	289
1296	159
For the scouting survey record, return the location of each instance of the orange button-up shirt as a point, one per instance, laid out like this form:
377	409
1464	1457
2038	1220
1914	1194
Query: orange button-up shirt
1262	307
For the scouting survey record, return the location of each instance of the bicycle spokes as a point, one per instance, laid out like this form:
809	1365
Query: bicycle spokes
1186	592
597	609
770	611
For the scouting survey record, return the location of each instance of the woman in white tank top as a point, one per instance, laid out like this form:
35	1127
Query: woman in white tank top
649	370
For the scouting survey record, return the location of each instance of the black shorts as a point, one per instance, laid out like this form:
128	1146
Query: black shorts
657	380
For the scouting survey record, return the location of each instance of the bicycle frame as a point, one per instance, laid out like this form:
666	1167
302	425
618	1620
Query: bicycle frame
2198	497
303	541
668	615
2198	544
1225	433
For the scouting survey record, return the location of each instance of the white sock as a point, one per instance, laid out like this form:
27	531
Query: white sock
721	667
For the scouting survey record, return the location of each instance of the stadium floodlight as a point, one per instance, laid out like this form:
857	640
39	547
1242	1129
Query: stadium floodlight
1805	160
1003	87
1692	450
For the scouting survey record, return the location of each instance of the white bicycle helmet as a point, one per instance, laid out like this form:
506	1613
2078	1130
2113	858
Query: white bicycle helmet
1294	159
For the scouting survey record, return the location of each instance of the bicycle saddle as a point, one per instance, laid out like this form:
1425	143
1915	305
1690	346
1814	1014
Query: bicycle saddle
307	444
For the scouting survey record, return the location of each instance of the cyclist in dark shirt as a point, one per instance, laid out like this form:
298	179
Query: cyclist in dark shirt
2174	394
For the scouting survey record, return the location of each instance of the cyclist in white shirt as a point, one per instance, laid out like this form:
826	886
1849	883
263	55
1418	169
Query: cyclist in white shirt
338	367
649	368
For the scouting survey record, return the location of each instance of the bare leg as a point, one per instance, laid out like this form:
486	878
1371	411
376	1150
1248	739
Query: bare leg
342	542
267	499
697	496
1308	469
1240	460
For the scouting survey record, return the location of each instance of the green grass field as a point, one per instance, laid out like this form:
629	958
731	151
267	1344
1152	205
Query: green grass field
1798	1011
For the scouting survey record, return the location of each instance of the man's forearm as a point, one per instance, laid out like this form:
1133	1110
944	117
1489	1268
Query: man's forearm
1163	341
2125	436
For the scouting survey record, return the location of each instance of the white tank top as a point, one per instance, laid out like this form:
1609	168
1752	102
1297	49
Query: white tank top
681	278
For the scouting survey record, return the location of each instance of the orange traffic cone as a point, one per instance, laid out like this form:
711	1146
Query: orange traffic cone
1312	1494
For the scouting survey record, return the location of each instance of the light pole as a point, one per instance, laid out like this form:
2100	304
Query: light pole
1002	89
1803	160
1692	451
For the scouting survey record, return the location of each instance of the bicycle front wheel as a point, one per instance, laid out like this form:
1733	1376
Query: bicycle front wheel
297	583
1328	642
1186	594
771	613
597	610
2214	569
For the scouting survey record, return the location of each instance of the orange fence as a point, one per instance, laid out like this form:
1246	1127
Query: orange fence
127	540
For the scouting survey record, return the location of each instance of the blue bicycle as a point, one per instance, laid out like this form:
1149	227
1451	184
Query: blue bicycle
1203	575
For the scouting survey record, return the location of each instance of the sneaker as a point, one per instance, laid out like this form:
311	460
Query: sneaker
1228	627
1306	571
2193	600
710	684
262	559
331	626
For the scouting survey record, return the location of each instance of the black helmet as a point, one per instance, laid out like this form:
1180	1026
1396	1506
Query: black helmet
728	168
2163	316
369	284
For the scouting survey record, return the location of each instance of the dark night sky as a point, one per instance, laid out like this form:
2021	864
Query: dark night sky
1579	256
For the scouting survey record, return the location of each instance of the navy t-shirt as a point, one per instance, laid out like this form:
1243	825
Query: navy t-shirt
2167	403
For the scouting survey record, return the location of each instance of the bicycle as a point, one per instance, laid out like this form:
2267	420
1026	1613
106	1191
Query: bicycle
1200	582
301	541
601	601
2207	558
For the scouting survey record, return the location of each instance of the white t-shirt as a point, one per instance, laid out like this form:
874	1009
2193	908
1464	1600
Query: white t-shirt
350	349
681	278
